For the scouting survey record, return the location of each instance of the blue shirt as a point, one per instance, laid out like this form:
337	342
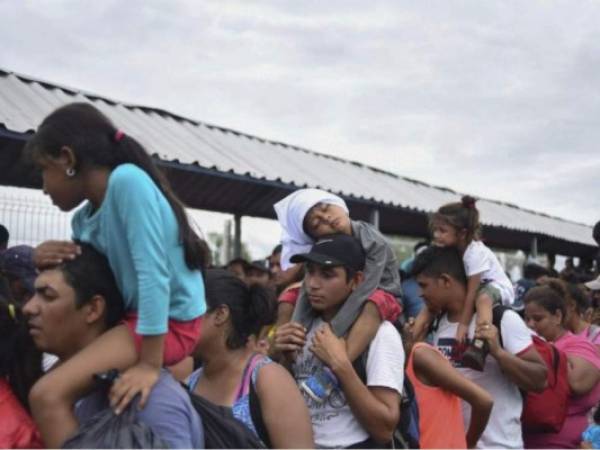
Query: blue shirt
592	435
136	228
169	413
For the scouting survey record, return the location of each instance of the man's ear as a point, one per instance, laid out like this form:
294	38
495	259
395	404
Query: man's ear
445	279
221	315
357	279
559	316
66	158
95	309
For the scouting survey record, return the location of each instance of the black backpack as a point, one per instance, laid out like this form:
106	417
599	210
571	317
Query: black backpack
406	434
223	430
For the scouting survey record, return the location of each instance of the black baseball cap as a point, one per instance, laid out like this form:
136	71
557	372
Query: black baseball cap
335	250
259	264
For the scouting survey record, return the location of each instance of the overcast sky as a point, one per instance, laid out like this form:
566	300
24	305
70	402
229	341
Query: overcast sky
499	99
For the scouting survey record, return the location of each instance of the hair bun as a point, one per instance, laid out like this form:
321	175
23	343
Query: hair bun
468	201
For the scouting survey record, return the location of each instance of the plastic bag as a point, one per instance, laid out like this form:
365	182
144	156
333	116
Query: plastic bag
107	430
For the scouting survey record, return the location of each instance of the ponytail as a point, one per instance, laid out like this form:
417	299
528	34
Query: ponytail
461	215
250	308
96	142
195	249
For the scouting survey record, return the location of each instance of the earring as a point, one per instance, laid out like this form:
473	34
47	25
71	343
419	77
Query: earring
70	172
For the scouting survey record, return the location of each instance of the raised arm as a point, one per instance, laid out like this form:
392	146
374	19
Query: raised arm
526	369
433	369
376	408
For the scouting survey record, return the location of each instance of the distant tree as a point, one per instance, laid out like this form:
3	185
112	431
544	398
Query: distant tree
215	242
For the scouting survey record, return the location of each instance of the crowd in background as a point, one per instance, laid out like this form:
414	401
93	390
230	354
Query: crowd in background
329	341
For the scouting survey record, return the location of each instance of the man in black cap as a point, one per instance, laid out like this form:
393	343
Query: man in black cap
257	273
356	413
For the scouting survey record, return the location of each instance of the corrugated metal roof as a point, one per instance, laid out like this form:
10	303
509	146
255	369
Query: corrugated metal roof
24	102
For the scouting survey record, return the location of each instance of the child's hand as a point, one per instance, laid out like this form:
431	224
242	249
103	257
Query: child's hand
139	379
461	333
51	253
489	333
329	348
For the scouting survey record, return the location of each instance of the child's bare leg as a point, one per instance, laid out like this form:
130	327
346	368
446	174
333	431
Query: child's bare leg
475	355
484	305
421	325
363	330
53	396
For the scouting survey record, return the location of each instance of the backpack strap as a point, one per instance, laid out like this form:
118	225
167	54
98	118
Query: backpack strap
497	314
247	386
257	418
246	381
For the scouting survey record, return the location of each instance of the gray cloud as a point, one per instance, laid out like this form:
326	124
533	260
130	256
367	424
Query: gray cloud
495	98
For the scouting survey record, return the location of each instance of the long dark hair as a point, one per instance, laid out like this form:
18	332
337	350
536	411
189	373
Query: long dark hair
20	361
460	215
96	142
250	308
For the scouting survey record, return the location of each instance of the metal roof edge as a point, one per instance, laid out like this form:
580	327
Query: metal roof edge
92	96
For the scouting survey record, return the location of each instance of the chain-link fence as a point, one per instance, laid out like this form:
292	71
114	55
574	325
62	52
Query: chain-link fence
31	218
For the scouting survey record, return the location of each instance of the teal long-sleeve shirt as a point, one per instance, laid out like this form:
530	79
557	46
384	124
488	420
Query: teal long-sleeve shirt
136	229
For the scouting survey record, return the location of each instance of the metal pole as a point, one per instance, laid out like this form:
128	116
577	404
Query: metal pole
534	248
374	217
237	237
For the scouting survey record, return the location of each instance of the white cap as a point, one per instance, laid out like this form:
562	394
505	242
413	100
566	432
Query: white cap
594	285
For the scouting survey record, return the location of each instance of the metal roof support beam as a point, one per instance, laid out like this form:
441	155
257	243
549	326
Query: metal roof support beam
534	247
237	236
374	217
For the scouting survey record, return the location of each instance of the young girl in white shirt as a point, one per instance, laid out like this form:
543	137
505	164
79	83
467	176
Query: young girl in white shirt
457	225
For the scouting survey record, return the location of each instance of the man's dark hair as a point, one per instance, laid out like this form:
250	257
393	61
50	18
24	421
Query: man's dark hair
436	261
420	244
277	249
4	236
596	232
533	271
89	274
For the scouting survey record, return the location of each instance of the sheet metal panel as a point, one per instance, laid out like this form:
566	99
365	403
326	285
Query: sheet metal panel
24	102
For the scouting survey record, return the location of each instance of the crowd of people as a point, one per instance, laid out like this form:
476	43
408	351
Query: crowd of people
328	342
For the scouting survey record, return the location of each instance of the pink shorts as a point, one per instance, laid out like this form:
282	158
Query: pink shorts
386	303
180	341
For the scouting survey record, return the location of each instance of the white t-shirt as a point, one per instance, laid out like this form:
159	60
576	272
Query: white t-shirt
334	425
504	427
478	259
